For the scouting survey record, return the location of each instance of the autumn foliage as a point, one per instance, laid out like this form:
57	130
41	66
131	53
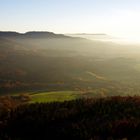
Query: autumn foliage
111	118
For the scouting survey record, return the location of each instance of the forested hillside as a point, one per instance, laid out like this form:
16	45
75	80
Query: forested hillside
46	61
112	118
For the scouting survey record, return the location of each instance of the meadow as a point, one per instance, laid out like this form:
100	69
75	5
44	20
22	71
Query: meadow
58	96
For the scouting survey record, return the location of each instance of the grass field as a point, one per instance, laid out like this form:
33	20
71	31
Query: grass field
54	96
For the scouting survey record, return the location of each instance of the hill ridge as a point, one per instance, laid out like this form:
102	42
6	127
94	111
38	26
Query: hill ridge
32	34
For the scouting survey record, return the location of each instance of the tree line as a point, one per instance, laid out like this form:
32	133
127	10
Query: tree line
111	118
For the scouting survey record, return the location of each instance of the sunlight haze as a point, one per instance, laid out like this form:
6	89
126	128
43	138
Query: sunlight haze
116	18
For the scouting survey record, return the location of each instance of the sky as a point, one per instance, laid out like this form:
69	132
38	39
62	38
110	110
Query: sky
120	18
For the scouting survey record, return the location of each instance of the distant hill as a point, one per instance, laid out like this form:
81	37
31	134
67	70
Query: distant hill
95	37
35	61
9	34
32	34
102	34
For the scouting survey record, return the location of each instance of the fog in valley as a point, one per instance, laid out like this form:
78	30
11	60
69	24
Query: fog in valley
44	61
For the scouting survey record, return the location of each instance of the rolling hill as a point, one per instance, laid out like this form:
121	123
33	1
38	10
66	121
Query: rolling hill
46	61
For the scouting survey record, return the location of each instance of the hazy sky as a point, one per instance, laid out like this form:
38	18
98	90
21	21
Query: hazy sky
114	17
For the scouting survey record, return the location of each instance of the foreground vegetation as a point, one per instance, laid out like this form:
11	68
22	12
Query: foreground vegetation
86	119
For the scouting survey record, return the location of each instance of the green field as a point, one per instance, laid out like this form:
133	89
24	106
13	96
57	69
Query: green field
54	96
